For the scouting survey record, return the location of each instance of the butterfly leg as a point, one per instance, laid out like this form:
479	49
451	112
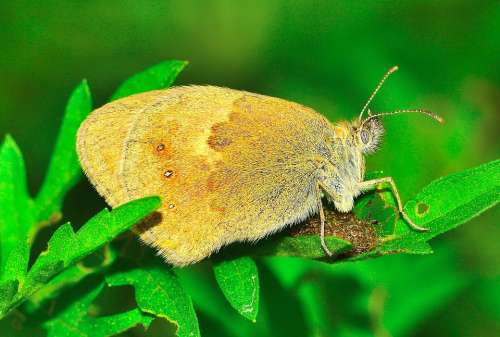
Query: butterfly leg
369	184
322	221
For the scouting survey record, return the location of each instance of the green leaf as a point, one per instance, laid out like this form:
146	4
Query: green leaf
8	289
446	203
197	280
156	77
456	198
65	247
239	281
305	246
70	276
158	292
284	244
15	213
74	320
237	276
98	231
64	168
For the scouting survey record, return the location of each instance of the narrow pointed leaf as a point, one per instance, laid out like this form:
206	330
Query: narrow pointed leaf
156	77
15	213
64	168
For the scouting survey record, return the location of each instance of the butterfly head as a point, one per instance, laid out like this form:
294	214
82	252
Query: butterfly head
367	135
369	131
350	143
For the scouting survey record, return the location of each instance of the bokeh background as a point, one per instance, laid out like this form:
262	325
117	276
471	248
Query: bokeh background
325	54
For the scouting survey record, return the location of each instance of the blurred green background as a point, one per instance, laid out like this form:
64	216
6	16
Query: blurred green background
328	55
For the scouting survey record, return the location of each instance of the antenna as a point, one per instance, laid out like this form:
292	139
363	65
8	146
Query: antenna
389	72
422	111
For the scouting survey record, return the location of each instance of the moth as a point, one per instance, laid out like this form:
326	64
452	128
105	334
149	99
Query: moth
228	165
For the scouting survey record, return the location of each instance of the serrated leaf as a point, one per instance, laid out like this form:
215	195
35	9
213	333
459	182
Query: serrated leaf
114	324
67	278
373	206
64	168
158	292
53	288
74	319
66	247
156	77
15	213
239	281
98	231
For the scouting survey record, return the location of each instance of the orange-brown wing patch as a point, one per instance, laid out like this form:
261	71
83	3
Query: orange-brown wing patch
264	177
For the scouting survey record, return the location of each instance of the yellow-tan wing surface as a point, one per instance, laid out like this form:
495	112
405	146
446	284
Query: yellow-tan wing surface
229	166
100	143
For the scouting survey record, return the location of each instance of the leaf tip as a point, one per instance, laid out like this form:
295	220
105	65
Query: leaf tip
84	84
9	144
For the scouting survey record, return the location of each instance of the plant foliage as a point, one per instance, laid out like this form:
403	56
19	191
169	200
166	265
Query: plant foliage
162	292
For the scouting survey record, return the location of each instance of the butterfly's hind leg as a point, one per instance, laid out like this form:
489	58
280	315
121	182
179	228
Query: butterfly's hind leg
322	221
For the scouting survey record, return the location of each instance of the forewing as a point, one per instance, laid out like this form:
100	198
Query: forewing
100	142
227	164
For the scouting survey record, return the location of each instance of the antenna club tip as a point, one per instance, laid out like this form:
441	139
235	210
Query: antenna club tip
394	68
436	117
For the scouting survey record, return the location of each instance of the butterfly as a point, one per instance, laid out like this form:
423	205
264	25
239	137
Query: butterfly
229	165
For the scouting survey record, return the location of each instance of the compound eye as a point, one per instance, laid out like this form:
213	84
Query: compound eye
365	137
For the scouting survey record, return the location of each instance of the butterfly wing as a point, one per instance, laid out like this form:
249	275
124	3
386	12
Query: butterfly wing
229	166
100	142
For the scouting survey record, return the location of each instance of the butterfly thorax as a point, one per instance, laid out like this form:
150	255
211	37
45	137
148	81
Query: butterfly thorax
344	163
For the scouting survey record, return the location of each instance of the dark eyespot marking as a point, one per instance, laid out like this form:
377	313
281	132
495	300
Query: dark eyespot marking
160	147
365	137
168	173
171	206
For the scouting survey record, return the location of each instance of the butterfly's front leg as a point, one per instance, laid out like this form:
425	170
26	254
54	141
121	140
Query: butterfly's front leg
334	196
370	184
